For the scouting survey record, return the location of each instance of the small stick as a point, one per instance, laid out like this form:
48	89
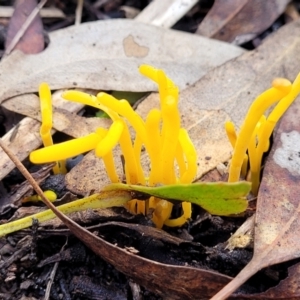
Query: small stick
78	13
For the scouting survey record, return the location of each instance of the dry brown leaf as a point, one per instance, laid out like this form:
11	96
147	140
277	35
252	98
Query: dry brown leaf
32	40
106	55
278	204
239	21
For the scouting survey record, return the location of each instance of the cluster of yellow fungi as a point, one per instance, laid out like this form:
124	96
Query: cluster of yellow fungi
256	130
171	153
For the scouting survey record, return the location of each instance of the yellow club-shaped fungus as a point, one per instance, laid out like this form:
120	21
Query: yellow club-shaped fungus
46	115
256	130
171	153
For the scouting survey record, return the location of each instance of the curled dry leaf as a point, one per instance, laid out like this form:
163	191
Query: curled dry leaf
278	206
106	55
239	21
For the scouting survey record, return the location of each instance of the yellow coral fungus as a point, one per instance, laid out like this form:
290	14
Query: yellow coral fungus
256	129
171	153
45	130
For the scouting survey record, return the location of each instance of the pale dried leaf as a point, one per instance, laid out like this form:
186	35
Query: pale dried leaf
106	55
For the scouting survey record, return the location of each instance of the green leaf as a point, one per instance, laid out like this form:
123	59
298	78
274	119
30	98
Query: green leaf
218	198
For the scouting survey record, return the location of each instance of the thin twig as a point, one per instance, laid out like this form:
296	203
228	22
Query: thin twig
24	27
52	275
78	13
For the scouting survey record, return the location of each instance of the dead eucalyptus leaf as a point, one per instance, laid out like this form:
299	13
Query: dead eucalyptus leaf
278	205
239	21
106	55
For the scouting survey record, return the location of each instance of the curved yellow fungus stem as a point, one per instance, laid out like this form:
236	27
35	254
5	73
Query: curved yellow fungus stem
187	214
123	108
170	134
87	99
190	155
110	167
111	139
179	155
45	130
162	212
231	133
281	88
154	138
46	113
67	149
232	136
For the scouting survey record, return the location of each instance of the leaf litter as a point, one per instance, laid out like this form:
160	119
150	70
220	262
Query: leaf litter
292	269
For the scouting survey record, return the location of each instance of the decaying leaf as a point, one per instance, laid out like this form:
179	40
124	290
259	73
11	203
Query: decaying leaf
218	198
106	55
278	205
239	21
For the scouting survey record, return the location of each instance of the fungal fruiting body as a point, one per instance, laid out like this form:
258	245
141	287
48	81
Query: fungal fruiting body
171	153
253	139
